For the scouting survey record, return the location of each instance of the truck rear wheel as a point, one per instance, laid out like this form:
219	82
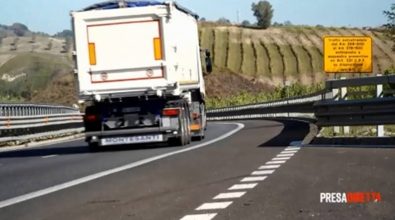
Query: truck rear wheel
203	123
184	132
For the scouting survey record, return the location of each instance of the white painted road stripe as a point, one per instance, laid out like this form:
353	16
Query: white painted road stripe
256	176
49	156
200	217
230	195
254	179
214	205
269	167
82	180
276	162
281	158
285	155
243	186
289	152
292	148
262	172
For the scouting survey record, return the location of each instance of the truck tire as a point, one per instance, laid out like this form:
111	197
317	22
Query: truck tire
182	140
93	147
202	133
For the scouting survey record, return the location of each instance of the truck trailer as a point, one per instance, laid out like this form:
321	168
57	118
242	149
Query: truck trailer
139	71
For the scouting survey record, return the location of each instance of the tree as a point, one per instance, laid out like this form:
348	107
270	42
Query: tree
263	12
223	21
64	34
390	26
245	23
287	23
19	29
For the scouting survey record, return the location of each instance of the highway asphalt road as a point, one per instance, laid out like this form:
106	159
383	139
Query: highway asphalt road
252	174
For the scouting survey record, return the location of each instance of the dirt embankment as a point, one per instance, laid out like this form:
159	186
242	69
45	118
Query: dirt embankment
225	84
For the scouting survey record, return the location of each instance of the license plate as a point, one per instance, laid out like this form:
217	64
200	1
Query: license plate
132	140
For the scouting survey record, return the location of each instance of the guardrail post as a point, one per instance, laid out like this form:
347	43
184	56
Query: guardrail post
379	93
346	129
336	95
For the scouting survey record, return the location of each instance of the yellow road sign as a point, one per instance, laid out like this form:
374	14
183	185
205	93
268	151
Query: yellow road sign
348	54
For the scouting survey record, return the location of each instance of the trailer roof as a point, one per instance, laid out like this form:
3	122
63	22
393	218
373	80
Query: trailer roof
131	4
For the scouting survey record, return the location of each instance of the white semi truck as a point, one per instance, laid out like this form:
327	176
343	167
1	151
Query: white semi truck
139	71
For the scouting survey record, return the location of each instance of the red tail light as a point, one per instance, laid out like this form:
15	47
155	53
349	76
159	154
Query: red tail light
171	112
91	118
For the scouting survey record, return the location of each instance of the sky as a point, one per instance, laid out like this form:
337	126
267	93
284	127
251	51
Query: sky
51	16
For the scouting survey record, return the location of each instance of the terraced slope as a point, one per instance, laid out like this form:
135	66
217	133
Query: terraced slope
277	55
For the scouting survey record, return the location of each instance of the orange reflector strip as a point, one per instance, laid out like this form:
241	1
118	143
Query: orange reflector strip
195	127
171	112
157	48
92	53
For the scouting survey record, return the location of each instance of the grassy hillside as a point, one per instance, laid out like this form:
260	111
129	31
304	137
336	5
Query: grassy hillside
32	62
26	75
279	54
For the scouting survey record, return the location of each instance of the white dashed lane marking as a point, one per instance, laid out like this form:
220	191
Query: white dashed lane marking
285	155
200	217
281	158
262	172
254	179
214	205
230	195
269	167
243	186
276	162
246	183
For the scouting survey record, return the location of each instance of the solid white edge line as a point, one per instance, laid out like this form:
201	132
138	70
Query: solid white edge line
214	205
79	181
262	172
230	195
243	186
254	179
207	216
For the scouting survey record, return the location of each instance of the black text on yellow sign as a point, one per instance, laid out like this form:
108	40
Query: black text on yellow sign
348	54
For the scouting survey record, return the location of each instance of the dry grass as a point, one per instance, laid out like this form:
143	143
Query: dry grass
235	51
249	59
221	47
263	60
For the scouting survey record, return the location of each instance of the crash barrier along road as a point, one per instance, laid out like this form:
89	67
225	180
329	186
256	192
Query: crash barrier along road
29	121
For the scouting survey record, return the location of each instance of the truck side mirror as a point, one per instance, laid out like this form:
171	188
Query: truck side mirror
209	65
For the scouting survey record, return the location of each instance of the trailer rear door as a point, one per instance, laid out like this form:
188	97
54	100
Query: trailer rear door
125	51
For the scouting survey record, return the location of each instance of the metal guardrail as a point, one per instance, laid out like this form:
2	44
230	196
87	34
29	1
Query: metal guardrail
300	107
327	107
377	111
373	80
27	121
338	111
